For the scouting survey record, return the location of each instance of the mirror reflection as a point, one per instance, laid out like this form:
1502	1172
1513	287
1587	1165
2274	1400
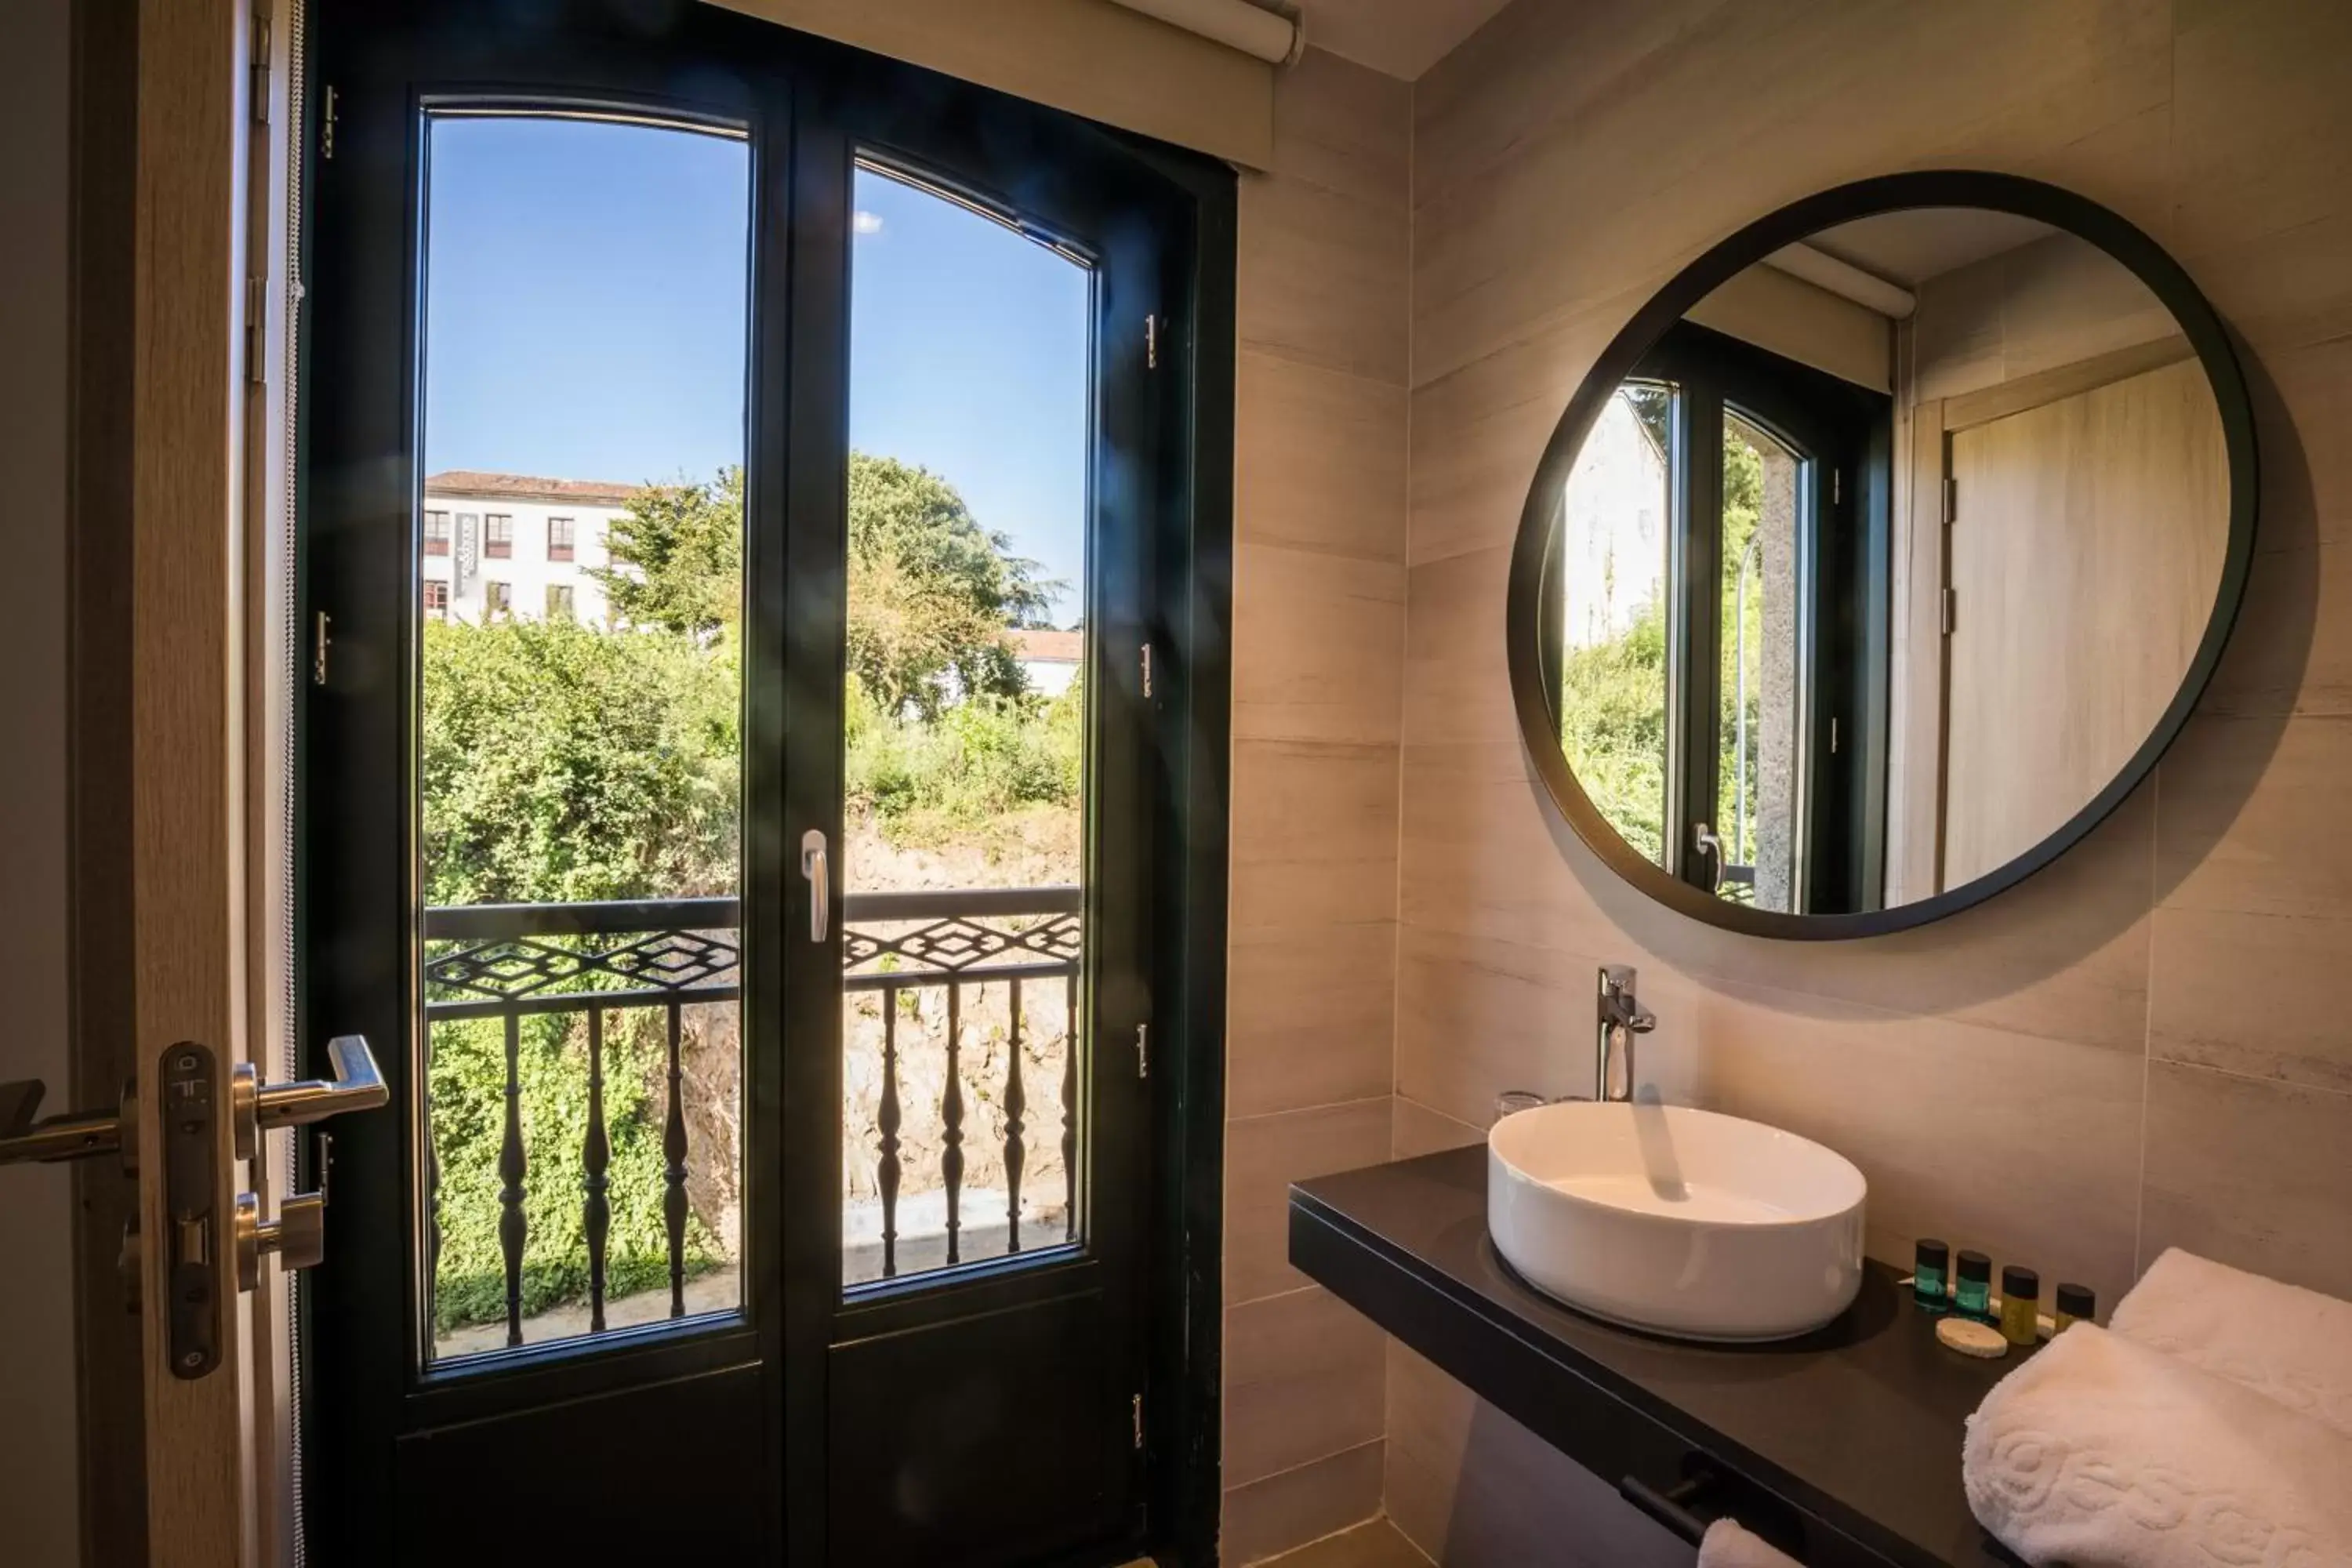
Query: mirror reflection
1885	561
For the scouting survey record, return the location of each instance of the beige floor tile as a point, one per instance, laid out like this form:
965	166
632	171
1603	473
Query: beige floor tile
1378	1545
1300	1505
1304	1375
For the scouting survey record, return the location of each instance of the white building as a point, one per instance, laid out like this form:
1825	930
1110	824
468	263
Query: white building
1049	659
1612	542
516	544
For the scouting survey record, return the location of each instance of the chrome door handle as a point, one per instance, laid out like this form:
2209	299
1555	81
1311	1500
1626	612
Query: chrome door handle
356	1085
812	867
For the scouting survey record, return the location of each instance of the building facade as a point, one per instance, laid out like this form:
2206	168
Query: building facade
496	545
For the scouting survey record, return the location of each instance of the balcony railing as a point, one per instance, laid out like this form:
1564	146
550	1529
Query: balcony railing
509	961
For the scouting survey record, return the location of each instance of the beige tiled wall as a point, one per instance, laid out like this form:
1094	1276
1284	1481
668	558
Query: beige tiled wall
1319	662
2148	1045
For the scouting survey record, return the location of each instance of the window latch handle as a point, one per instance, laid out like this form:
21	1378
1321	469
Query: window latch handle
812	867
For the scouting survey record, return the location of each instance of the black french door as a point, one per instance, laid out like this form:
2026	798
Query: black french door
1777	634
751	1193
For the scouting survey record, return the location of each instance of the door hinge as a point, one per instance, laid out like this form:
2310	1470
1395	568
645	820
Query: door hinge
1833	735
1146	669
257	331
1837	486
1951	499
257	71
1143	1050
1151	342
1952	610
1138	1407
327	126
321	636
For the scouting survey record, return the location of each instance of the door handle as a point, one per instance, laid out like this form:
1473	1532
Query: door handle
357	1085
820	880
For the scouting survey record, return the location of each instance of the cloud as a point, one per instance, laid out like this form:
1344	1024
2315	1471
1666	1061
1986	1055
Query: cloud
867	222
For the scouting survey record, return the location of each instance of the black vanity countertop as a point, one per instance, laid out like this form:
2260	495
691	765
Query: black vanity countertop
1846	1442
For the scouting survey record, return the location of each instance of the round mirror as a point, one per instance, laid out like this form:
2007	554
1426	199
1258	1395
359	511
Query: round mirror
1882	554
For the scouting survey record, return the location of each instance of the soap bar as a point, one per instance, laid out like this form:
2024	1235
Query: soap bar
1979	1340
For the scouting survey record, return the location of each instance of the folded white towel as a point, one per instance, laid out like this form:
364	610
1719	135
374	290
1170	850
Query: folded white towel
2101	1453
2292	1344
1727	1545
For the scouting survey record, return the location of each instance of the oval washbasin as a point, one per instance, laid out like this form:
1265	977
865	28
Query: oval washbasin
1679	1221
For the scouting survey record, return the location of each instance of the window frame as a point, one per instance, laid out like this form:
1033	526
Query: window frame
1833	426
498	536
437	533
567	547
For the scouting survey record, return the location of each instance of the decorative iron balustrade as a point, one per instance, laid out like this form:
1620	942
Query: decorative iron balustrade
509	961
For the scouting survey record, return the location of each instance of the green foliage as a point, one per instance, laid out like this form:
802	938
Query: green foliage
1613	727
1612	707
930	592
679	554
560	762
467	1079
981	761
1743	511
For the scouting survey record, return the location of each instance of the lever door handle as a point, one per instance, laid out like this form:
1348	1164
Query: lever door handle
356	1085
813	867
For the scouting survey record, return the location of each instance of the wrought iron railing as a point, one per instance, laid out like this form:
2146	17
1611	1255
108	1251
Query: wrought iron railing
509	961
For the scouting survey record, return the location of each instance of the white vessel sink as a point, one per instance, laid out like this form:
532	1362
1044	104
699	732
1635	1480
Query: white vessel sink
1682	1222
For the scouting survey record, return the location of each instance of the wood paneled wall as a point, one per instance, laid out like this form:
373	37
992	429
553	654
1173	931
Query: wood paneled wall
1319	660
2142	1047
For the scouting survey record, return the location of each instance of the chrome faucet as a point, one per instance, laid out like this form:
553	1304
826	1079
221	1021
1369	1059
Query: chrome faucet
1621	1018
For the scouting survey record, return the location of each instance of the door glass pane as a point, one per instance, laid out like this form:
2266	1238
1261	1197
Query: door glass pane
1617	520
1759	774
585	323
970	419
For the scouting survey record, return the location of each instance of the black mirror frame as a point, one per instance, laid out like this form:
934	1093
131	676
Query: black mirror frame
2060	208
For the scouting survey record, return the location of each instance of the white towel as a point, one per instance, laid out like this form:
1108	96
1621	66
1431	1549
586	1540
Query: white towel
1727	1545
2101	1453
2292	1344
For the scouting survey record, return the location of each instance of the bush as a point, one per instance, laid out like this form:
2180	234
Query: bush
977	763
468	1080
1613	728
562	762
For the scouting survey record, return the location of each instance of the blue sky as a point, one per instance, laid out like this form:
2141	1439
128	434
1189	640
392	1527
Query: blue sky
585	319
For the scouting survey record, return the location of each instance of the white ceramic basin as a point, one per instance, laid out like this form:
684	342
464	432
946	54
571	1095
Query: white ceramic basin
1679	1221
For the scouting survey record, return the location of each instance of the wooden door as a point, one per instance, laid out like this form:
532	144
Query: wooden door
2085	547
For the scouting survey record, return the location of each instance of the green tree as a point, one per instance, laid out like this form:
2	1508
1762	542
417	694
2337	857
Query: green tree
559	763
1613	727
679	554
931	590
